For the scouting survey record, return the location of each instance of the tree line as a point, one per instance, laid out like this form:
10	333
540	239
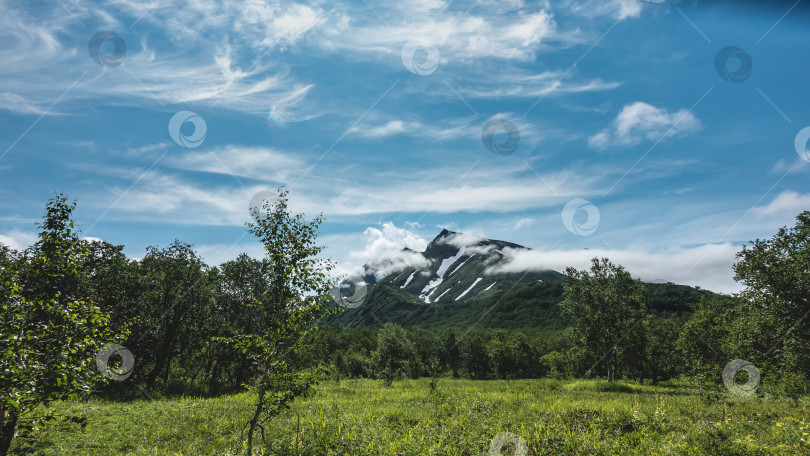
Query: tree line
179	311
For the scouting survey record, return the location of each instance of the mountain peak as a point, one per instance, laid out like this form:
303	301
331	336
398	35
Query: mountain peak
443	234
439	240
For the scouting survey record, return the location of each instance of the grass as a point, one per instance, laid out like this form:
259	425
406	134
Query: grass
459	417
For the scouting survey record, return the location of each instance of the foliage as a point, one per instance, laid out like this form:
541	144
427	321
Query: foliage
49	333
394	350
298	285
776	275
606	306
173	304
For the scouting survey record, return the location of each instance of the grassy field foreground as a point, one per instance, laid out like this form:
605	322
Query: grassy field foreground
459	417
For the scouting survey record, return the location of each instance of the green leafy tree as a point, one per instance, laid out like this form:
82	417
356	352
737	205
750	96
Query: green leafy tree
474	356
111	279
662	360
555	365
394	352
49	336
606	306
238	282
503	355
296	297
175	305
705	340
8	259
451	354
776	276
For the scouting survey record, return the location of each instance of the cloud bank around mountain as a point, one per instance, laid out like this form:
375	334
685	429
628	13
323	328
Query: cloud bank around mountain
707	266
384	250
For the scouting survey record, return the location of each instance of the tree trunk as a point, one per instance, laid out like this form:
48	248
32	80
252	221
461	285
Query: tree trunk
152	376
163	361
212	378
7	432
254	422
241	370
166	371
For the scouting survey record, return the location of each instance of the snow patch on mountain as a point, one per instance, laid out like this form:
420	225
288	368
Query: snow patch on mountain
459	266
447	262
431	286
408	280
468	289
443	293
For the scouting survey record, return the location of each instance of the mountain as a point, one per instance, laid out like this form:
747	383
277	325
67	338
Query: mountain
459	280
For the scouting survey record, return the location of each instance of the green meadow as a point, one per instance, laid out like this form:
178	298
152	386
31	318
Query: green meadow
443	417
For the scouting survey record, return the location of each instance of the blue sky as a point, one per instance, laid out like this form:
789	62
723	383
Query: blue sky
635	134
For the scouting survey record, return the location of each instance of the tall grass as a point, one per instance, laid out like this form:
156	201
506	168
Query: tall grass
457	417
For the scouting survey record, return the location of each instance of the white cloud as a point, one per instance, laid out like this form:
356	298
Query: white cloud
641	121
445	130
17	239
618	9
784	166
17	104
216	254
228	54
454	129
280	25
383	251
465	37
243	161
204	51
707	266
465	239
515	83
524	222
500	186
788	203
390	128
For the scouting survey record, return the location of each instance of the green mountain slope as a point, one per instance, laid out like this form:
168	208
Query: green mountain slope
457	284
